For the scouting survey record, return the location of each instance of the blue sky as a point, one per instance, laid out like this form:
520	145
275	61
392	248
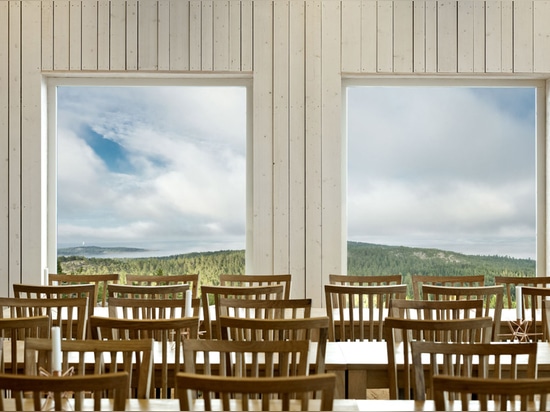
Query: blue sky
164	167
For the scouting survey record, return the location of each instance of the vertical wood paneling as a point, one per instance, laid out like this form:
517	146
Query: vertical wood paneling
47	34
207	36
89	35
479	37
131	35
384	36
221	35
334	233
195	35
403	37
247	52
431	36
179	35
507	37
351	36
541	59
75	35
103	35
297	148
465	36
369	39
148	35
262	186
117	45
235	29
313	175
280	136
447	37
4	146
523	36
419	40
164	35
33	176
494	36
14	149
61	35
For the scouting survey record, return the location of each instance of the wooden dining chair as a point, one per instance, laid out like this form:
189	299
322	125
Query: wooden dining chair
263	394
245	329
259	280
71	314
419	280
210	298
436	309
507	394
134	357
54	392
162	280
492	296
511	282
356	313
155	292
15	331
131	308
169	332
359	280
100	281
533	314
246	358
400	332
485	360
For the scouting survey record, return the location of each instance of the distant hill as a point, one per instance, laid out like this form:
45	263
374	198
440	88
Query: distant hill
95	250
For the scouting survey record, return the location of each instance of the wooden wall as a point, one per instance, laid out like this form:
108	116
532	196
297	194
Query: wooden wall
296	53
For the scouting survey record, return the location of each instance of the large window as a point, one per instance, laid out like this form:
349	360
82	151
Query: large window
447	166
154	166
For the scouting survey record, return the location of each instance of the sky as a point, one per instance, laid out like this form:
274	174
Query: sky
446	168
165	168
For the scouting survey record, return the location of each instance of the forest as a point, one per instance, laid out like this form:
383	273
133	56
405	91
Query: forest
363	259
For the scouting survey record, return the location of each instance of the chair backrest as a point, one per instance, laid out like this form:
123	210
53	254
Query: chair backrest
246	358
51	392
400	332
16	330
510	283
131	356
532	304
57	292
71	314
210	295
170	333
359	280
131	308
148	292
100	281
436	309
419	280
245	329
532	393
491	360
258	280
492	296
358	312
275	393
156	280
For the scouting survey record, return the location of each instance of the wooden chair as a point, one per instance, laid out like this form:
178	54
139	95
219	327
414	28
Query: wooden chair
436	309
148	292
100	281
510	283
358	312
154	280
419	280
51	392
256	393
400	332
131	308
131	356
71	314
258	280
246	358
210	295
16	330
507	394
358	280
533	313
170	333
492	296
493	360
244	329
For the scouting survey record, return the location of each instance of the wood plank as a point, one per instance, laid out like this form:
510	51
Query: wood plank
195	35
247	52
89	35
235	30
61	35
479	37
431	36
4	144
351	36
164	46
103	35
447	37
523	37
179	35
507	37
419	39
385	36
147	35
131	35
75	35
541	13
221	35
207	36
369	60
403	37
466	36
281	165
117	49
493	50
47	34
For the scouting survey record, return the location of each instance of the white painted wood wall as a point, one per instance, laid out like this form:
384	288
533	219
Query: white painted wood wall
297	53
